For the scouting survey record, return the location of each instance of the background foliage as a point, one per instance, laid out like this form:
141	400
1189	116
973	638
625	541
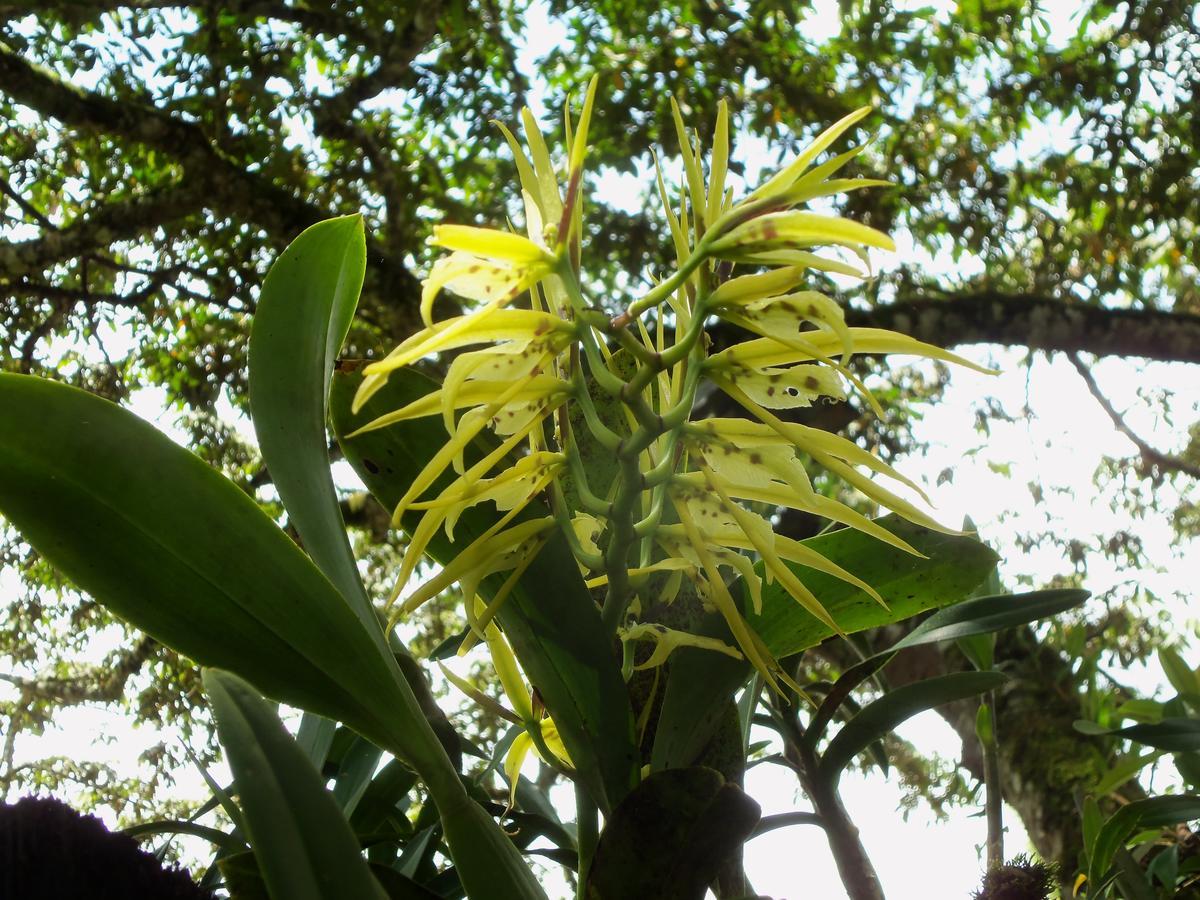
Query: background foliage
160	154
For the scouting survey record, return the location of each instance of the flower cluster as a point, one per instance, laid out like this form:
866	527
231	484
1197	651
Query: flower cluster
542	367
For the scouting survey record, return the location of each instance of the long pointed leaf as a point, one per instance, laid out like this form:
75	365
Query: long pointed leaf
168	544
970	618
1152	812
1176	733
878	718
171	546
983	615
304	846
303	315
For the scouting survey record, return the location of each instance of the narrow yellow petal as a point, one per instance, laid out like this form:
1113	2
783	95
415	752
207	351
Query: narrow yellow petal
548	190
668	640
529	181
718	164
678	230
748	288
796	229
579	145
784	179
491	244
725	604
691	167
768	352
513	760
496	709
766	550
509	673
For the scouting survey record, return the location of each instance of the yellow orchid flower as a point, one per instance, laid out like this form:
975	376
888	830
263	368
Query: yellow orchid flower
566	386
522	713
668	640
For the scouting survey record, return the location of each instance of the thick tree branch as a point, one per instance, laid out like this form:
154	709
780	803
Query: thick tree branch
1040	323
114	221
229	186
99	684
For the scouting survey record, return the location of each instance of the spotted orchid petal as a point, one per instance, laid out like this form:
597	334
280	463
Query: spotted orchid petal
490	243
796	229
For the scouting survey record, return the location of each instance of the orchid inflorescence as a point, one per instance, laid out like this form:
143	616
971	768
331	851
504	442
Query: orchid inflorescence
557	380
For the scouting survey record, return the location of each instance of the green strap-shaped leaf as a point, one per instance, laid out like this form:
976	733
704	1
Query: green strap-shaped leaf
878	718
304	846
700	682
1153	812
1181	676
171	546
1176	733
302	317
969	619
670	836
549	619
214	836
983	615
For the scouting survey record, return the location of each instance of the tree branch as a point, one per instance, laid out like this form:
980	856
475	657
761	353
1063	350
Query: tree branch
220	181
1040	323
111	222
98	684
315	19
1150	456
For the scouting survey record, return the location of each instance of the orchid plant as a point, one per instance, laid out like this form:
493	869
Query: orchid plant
552	357
566	479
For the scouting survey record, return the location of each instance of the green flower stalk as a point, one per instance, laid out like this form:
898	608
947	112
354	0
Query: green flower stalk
542	365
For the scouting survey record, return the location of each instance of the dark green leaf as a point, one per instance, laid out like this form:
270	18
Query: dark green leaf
971	618
354	774
303	845
171	546
178	826
401	887
243	880
1178	672
379	800
303	315
982	615
1153	812
1179	734
669	837
881	716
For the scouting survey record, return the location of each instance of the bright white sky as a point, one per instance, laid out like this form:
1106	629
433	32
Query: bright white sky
1059	443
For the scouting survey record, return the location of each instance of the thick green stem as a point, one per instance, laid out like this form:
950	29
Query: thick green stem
991	782
562	514
664	289
588	834
616	559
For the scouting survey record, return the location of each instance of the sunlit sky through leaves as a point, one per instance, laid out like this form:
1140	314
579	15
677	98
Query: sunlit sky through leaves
1055	442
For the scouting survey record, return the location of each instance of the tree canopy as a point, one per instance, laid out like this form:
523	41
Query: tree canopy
159	155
